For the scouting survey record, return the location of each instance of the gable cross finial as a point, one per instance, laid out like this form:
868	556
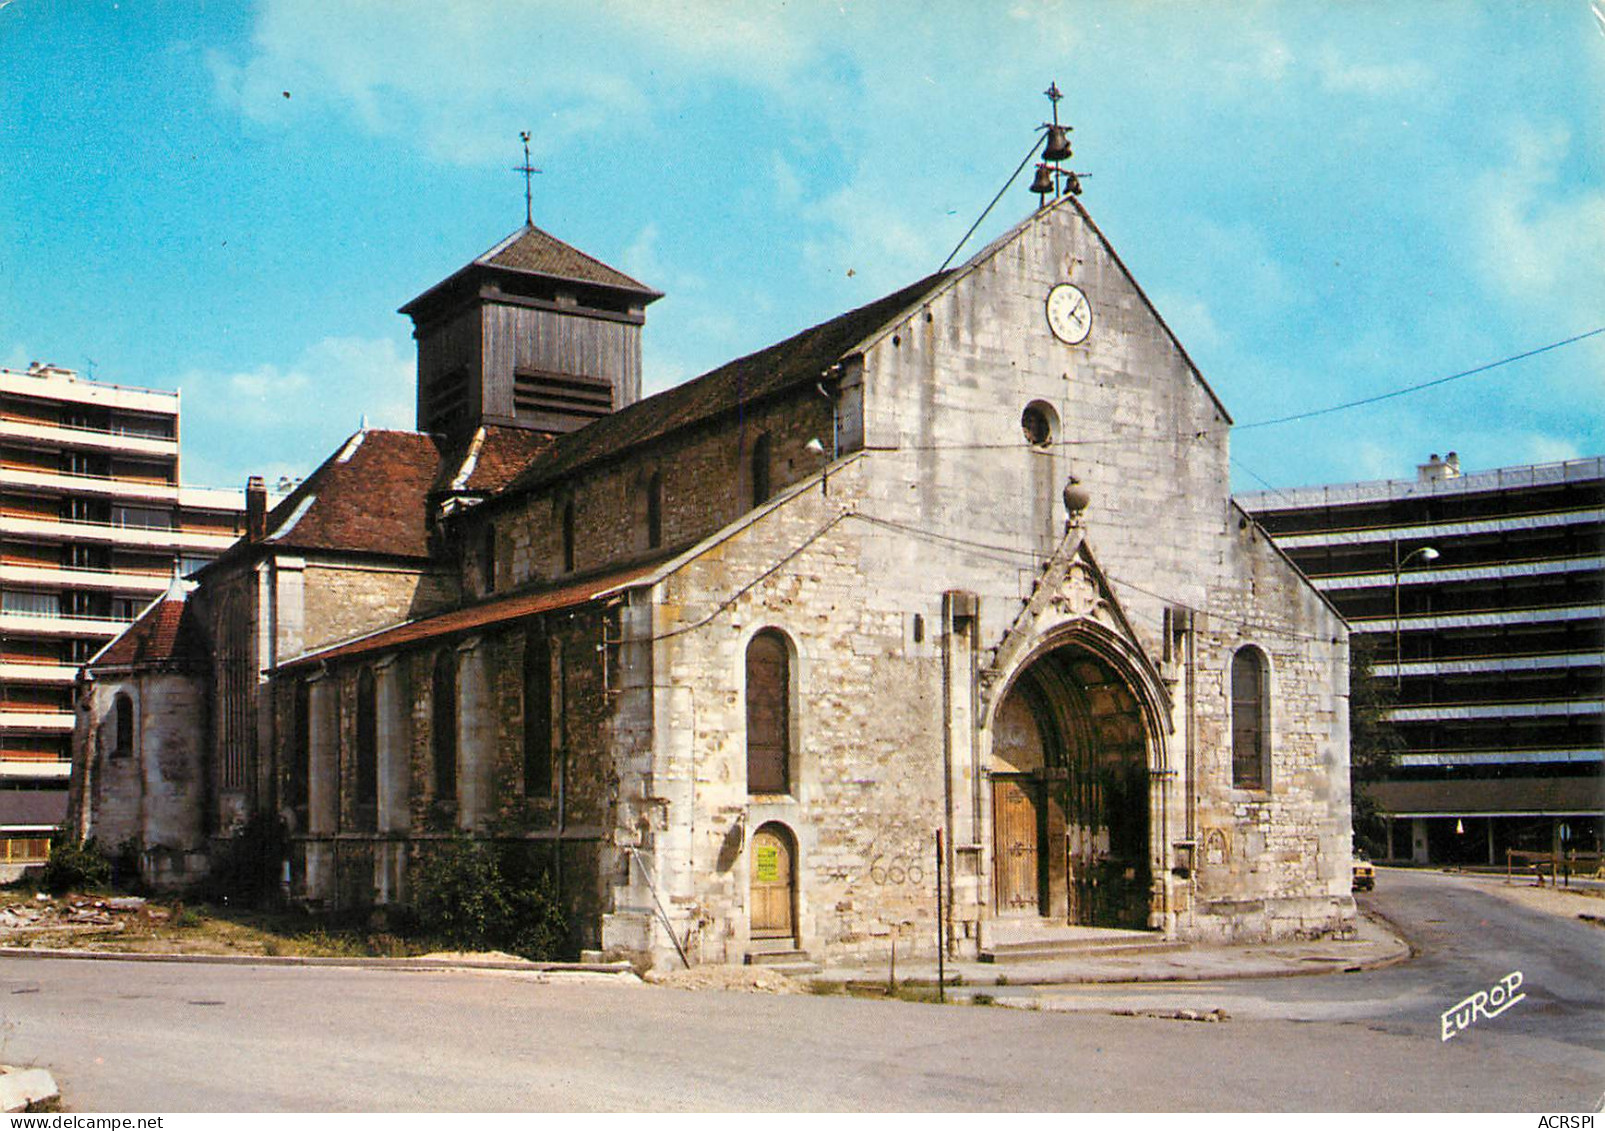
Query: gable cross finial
529	171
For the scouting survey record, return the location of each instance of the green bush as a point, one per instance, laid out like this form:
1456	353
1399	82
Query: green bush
247	869
75	864
465	894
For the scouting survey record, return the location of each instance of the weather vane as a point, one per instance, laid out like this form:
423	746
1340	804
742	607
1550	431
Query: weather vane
529	171
1056	149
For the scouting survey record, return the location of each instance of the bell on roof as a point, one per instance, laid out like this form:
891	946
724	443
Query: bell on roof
1042	185
1058	147
1072	183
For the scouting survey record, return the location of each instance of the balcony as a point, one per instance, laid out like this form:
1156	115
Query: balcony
1414	578
42	769
86	486
36	722
97	580
64	387
54	674
1446	712
1389	490
1440	531
1491	619
105	534
36	434
34	624
1558	661
1580	755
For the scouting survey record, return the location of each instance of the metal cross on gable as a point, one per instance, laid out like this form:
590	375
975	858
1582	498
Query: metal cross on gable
529	171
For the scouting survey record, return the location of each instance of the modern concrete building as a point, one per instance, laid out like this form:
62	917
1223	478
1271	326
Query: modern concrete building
93	521
1481	597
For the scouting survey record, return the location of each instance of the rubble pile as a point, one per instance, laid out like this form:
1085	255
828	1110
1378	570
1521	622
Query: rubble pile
20	920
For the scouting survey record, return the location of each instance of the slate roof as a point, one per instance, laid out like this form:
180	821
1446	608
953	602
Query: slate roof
371	496
1471	796
484	615
800	359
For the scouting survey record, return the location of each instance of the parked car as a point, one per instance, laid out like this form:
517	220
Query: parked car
1365	873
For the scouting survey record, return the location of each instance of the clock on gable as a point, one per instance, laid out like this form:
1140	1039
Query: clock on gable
1069	314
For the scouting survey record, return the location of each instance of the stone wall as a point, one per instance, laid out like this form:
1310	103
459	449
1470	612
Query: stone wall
706	477
354	854
153	799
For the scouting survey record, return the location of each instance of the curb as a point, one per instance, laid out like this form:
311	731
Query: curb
403	964
984	982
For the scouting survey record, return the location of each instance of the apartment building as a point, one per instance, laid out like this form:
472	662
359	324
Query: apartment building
1481	598
93	521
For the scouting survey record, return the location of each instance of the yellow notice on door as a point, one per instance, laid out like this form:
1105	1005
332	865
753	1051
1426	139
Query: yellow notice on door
768	864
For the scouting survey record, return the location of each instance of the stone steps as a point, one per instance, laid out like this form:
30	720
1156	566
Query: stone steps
785	960
1038	942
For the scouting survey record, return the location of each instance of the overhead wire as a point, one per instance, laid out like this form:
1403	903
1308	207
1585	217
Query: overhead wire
1513	358
1030	153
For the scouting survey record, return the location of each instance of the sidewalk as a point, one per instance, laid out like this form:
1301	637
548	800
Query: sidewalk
1375	944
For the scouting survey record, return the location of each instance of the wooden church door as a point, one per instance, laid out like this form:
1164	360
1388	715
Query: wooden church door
1016	837
773	890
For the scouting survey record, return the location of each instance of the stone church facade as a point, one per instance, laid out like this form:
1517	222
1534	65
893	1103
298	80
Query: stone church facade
724	660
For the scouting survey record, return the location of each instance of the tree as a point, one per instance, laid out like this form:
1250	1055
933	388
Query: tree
1374	742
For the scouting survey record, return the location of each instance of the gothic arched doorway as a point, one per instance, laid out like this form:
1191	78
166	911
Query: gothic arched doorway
1070	798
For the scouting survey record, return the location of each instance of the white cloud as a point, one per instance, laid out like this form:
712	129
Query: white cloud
1193	323
1551	449
1340	74
248	421
1539	243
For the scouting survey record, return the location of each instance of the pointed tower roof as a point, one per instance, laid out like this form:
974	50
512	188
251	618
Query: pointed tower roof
533	254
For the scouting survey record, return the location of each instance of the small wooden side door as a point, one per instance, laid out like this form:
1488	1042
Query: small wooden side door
1015	839
773	895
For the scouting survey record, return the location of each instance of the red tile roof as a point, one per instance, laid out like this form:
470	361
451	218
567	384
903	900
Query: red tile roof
163	634
498	454
462	621
371	496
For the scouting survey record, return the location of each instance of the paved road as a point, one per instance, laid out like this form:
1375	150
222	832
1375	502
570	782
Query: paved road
143	1037
1468	937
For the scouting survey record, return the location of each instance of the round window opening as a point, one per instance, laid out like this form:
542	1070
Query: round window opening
1037	426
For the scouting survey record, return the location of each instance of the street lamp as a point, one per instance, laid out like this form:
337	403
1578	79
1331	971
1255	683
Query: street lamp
1426	554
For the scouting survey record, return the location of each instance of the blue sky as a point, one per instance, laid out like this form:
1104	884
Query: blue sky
1326	201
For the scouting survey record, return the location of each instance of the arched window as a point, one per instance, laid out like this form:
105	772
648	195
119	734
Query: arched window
760	470
538	695
122	745
367	749
1250	719
301	751
654	511
568	536
443	726
236	678
768	713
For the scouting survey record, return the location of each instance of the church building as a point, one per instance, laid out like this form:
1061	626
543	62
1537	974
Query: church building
725	660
